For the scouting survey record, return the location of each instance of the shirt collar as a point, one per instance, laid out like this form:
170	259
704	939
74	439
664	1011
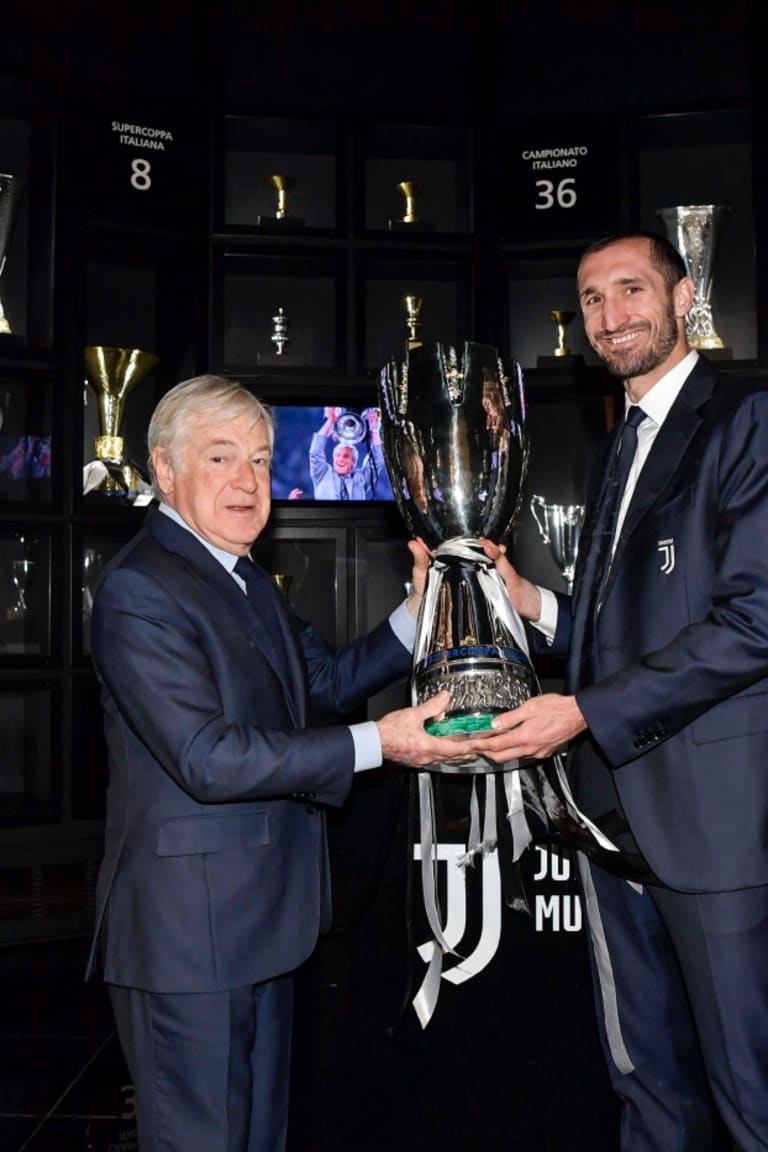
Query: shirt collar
226	559
659	399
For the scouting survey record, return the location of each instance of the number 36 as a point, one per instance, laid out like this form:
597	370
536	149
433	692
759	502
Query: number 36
564	195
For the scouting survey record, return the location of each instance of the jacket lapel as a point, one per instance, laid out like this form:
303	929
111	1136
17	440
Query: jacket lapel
206	568
669	448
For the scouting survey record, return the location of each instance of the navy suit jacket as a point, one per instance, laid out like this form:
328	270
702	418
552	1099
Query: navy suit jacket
679	706
215	871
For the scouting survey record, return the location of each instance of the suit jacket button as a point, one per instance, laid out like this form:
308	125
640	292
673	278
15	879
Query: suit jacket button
311	809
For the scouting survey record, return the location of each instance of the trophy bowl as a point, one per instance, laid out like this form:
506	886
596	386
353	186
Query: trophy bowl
560	527
456	449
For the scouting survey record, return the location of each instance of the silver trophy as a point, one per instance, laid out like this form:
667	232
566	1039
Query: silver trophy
10	194
560	527
694	229
349	427
456	448
280	326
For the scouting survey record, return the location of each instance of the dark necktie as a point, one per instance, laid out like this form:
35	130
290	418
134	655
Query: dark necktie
607	514
264	598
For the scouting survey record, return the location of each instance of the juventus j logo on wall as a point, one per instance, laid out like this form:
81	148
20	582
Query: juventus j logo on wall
667	549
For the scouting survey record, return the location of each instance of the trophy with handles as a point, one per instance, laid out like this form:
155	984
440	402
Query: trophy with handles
456	448
560	527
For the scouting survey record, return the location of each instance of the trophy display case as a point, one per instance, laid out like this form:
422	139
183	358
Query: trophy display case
407	301
92	549
279	177
26	232
684	163
536	286
29	465
417	181
29	594
314	248
308	562
29	764
686	174
278	313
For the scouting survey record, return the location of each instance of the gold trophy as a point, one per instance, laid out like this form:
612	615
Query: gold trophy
113	373
410	189
283	581
561	319
282	218
413	319
561	358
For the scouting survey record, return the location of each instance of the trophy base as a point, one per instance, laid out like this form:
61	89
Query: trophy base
286	360
716	353
460	724
416	226
560	363
280	226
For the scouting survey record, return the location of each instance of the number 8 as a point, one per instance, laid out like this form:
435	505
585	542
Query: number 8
140	178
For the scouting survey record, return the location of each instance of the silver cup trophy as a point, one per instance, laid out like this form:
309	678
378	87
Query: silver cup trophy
560	527
694	229
456	448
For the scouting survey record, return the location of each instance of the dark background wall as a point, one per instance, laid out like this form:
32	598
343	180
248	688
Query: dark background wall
437	58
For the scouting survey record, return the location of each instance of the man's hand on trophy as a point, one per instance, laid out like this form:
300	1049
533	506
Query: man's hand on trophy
537	729
421	558
525	596
405	740
330	416
372	417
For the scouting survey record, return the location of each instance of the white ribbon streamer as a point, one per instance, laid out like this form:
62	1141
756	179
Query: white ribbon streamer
443	943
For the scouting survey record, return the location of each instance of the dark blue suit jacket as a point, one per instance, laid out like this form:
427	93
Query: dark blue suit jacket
215	872
679	708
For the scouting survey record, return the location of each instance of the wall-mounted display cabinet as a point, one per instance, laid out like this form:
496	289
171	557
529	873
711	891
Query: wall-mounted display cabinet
297	254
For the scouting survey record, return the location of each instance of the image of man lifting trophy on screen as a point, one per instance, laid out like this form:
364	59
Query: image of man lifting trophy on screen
345	457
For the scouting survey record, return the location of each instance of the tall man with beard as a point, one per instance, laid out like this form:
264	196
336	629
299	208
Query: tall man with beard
665	715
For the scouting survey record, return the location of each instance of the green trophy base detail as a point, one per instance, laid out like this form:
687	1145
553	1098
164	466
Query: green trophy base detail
458	725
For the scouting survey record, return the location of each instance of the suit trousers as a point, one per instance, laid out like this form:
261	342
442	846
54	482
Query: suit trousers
210	1070
681	984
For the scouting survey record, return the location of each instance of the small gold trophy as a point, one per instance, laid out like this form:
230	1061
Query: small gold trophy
561	319
282	185
113	373
283	581
561	359
413	319
282	218
410	189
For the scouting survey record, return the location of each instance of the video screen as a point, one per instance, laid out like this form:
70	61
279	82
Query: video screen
328	453
25	457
